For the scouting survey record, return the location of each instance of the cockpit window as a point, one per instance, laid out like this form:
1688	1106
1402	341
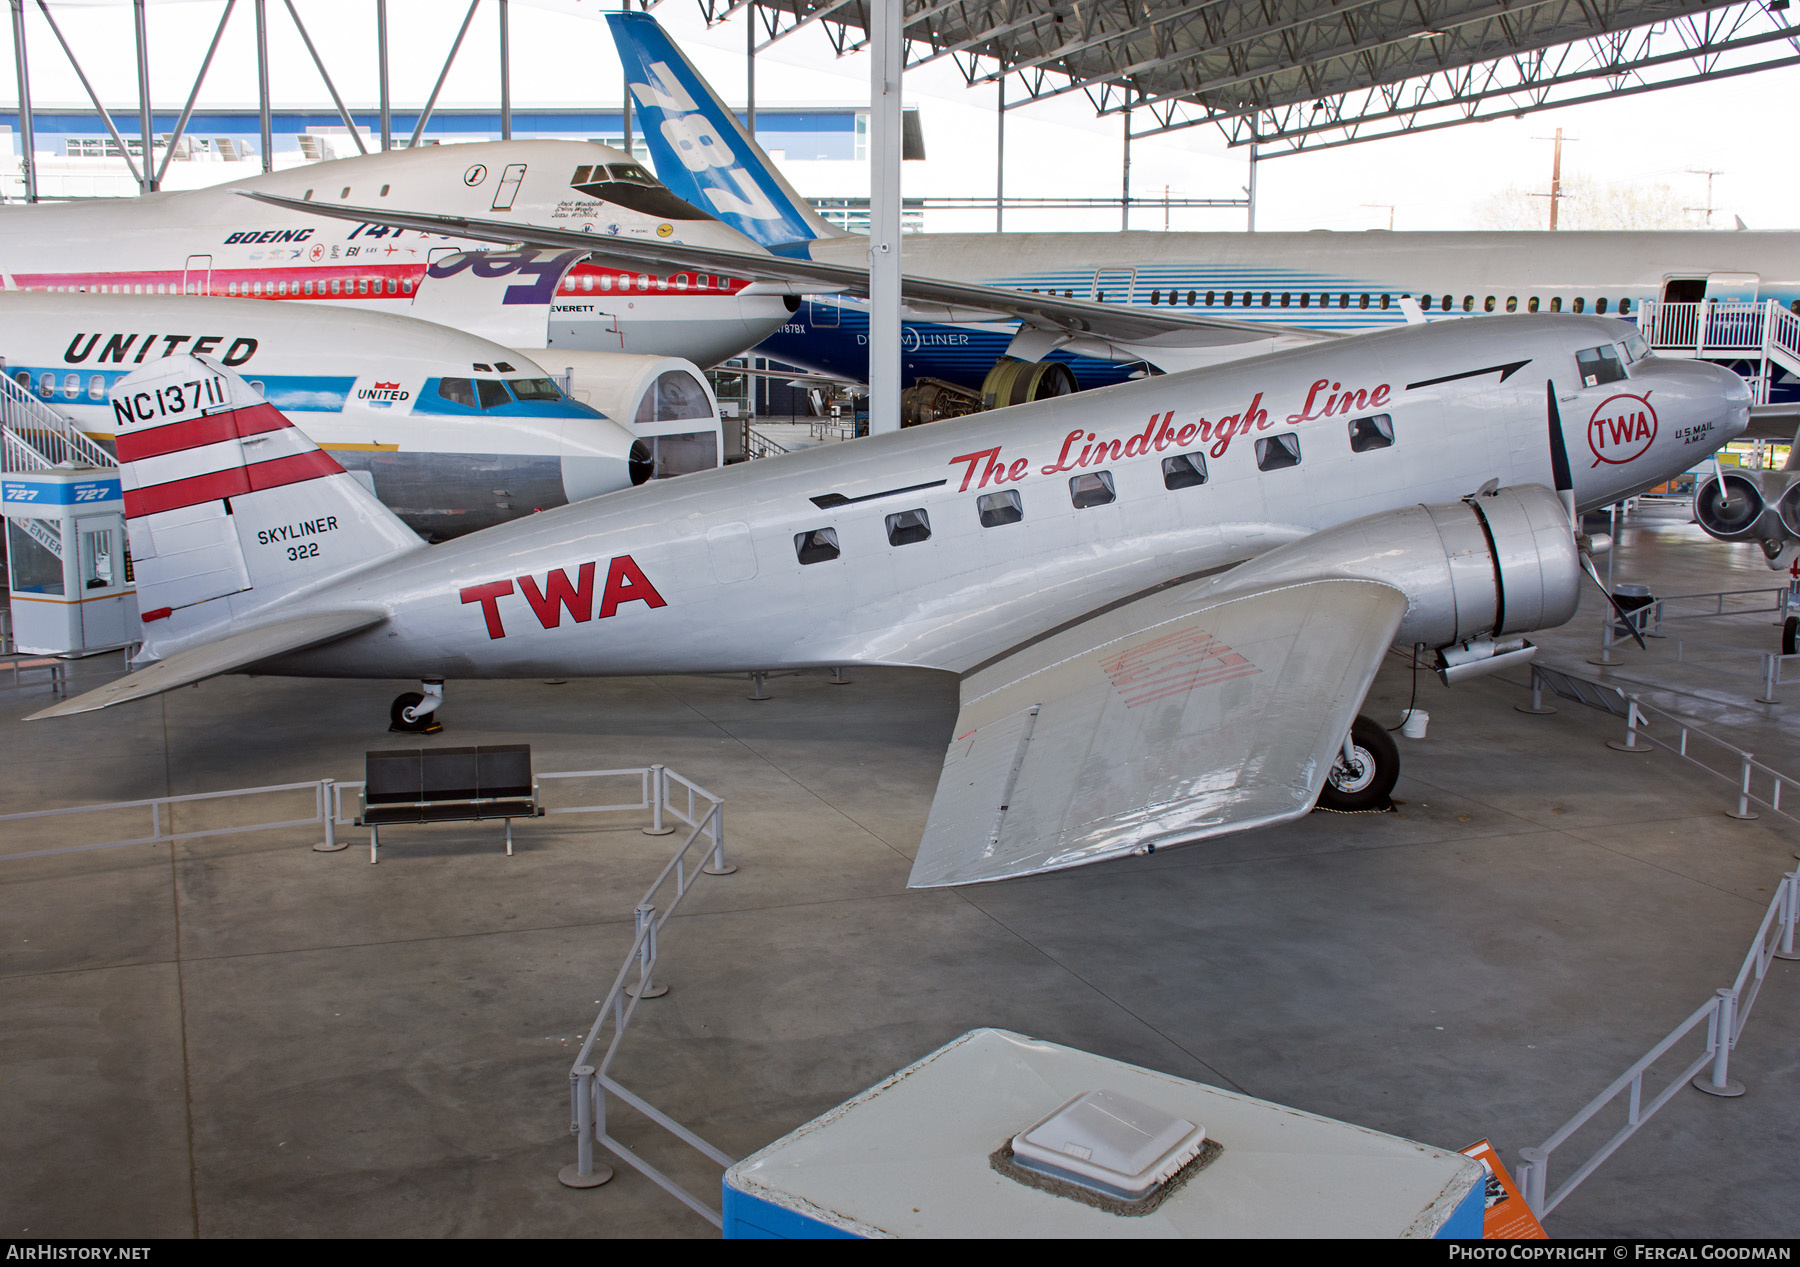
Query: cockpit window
534	389
458	391
493	395
630	171
1636	349
630	186
1598	365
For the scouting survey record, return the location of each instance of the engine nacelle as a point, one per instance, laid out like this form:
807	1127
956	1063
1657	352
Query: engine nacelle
1476	573
1734	509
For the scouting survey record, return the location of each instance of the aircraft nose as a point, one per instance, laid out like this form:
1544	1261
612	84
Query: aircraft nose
1733	395
599	456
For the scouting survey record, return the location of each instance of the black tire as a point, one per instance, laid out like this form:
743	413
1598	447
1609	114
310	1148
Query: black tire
1366	787
1790	635
397	716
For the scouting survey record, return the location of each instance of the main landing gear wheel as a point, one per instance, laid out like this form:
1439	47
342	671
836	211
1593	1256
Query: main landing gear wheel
426	725
1363	782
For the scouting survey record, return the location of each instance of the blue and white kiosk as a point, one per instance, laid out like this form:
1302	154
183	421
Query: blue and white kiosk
66	564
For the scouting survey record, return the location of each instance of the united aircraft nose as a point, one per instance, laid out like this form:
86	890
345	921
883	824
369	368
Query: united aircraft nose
599	456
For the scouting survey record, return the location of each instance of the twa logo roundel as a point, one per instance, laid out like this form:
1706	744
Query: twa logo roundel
1622	428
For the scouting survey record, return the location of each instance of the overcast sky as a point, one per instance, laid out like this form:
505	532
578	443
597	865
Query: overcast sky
561	56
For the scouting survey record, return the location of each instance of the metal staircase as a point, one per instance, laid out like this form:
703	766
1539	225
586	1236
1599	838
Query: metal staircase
1727	330
34	437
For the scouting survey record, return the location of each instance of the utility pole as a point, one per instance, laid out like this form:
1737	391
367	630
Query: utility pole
1556	195
1383	206
1708	208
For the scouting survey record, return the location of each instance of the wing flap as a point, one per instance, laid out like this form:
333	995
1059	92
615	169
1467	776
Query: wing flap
234	651
1165	721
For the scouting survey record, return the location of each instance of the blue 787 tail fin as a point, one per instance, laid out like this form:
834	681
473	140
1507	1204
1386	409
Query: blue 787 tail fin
700	150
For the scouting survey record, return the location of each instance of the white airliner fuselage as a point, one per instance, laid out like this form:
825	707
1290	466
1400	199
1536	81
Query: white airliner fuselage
215	242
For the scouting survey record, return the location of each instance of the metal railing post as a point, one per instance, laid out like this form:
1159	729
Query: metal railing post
328	812
1537	695
1790	914
715	863
645	987
1771	671
1534	1177
1632	717
585	1173
1743	809
1718	1082
659	796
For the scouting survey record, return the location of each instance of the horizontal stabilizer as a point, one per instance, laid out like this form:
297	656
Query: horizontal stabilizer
1171	719
234	651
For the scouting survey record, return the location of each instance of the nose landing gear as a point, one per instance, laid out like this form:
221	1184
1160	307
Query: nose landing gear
416	713
1364	772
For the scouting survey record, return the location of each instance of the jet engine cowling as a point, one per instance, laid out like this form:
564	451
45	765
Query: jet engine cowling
1476	573
1733	508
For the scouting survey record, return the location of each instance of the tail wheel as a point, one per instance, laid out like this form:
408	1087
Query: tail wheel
1364	781
426	725
1013	382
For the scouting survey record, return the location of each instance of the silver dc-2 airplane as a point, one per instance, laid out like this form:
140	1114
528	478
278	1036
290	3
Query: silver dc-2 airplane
1166	600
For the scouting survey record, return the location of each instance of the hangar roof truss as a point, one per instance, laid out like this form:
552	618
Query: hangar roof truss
1291	75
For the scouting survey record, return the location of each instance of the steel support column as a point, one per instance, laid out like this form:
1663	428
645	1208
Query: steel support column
112	128
750	69
1250	193
27	144
885	44
625	7
438	87
262	84
505	74
319	63
1000	159
187	111
381	72
1125	180
147	178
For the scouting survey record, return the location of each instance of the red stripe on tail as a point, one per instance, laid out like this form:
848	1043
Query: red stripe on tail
177	437
235	482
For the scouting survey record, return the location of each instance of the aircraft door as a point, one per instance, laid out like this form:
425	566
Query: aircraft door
102	580
1114	284
822	313
196	277
1724	287
508	188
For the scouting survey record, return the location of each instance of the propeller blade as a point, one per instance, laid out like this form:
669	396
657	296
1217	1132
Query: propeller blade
1587	565
1559	456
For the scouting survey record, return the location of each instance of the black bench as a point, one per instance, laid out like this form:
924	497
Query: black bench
447	785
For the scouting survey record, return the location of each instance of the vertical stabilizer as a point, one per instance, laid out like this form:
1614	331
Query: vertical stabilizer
699	148
228	506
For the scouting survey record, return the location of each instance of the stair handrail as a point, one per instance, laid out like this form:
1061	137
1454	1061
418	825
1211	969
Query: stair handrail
52	439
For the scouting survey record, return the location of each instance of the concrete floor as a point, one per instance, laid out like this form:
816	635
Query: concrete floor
242	1037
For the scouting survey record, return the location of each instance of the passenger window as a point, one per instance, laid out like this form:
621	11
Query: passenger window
1228	299
1371	433
1448	304
1384	303
1000	508
1488	306
1343	301
1304	296
1598	365
96	387
1556	303
1424	303
493	395
1512	303
1468	303
1531	304
908	527
818	546
1624	307
1276	453
1600	305
1362	301
458	391
1209	299
1191	295
1579	304
1184	470
1284	298
1265	302
1094	489
1155	297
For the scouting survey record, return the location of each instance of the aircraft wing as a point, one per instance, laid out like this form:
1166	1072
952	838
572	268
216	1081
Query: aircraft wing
234	651
962	301
1169	719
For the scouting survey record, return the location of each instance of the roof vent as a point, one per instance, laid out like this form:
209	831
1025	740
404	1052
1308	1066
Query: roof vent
1110	1144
